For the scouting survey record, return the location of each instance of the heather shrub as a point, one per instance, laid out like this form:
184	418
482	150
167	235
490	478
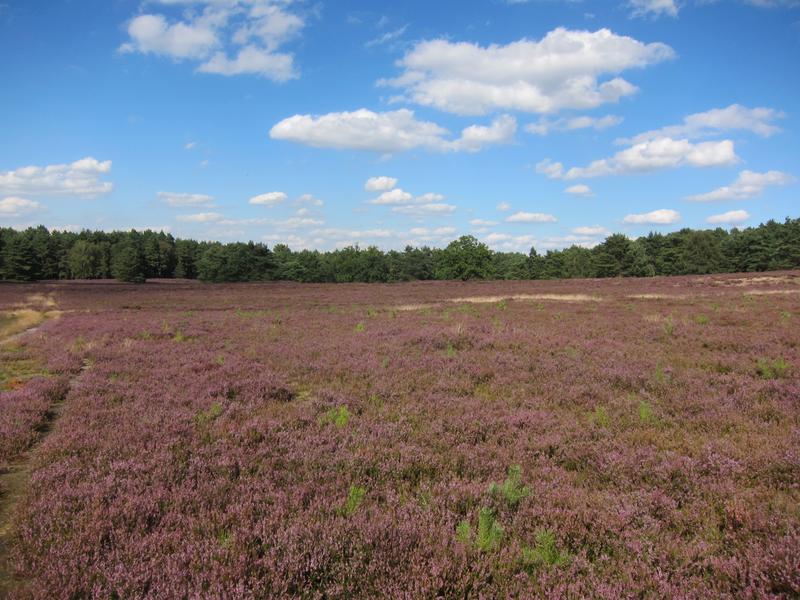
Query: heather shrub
511	490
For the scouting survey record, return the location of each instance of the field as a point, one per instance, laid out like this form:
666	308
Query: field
634	438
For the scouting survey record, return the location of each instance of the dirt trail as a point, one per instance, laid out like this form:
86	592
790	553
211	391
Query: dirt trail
14	476
14	479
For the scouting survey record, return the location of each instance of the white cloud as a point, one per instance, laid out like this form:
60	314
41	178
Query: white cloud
509	243
503	207
714	122
729	218
17	207
81	179
177	199
268	199
380	184
421	210
591	230
297	222
663	216
206	217
251	60
190	145
152	34
475	137
565	69
580	189
530	217
544	125
387	37
309	199
395	196
748	184
652	155
231	37
429	197
653	8
482	223
387	132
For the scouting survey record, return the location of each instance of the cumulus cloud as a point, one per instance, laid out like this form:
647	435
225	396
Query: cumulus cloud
482	223
544	125
591	230
268	199
663	216
176	199
503	207
251	60
395	196
228	37
16	207
80	178
380	184
653	155
715	122
309	199
152	34
653	8
424	210
205	217
580	189
748	184
566	69
530	217
729	218
387	132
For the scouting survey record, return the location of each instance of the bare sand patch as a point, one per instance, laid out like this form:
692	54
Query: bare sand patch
770	292
554	297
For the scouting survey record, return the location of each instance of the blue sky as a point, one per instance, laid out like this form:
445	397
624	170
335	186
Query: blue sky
322	124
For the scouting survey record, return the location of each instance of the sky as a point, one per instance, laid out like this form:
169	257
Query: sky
540	123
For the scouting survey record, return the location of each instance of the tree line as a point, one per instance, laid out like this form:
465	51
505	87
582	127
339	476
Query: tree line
134	256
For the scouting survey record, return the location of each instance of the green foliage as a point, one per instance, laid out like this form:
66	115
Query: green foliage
701	320
450	351
127	261
645	411
669	326
204	417
772	369
544	553
355	496
511	489
338	416
599	416
37	253
179	337
489	535
360	327
465	258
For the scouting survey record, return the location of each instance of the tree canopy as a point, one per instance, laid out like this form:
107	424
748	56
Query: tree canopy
37	253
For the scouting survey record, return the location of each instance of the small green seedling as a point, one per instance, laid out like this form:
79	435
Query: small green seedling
511	489
544	552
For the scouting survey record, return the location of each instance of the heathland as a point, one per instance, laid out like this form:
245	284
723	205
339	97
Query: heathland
616	438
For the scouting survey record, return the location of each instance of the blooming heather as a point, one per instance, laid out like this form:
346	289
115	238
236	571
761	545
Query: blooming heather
203	452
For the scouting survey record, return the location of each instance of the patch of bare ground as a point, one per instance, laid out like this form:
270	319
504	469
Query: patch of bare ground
14	478
771	292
